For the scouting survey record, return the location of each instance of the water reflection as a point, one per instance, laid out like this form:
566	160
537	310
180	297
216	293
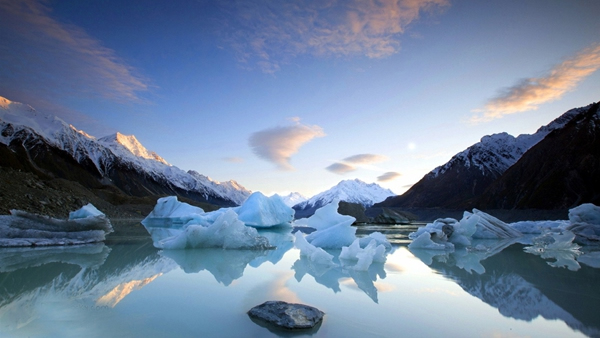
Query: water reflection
330	276
523	286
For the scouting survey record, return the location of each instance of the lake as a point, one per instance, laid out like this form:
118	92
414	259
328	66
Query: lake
127	288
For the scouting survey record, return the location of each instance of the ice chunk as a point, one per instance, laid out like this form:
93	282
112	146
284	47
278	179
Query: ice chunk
25	229
261	211
170	213
585	213
316	255
325	217
424	241
379	239
226	232
489	226
591	259
538	227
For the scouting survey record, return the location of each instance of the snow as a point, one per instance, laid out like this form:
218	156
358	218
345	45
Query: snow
86	225
293	198
17	118
262	211
353	191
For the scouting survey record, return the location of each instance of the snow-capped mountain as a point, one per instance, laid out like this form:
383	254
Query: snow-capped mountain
353	191
114	159
293	198
459	182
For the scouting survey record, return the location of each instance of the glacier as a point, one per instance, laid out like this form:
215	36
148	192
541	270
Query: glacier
86	225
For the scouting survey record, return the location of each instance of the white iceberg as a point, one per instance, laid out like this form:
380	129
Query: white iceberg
558	246
314	254
585	213
261	211
333	230
226	232
86	225
425	241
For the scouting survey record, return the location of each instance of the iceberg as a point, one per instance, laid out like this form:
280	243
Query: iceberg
261	211
314	254
86	225
227	232
325	217
558	246
585	224
333	231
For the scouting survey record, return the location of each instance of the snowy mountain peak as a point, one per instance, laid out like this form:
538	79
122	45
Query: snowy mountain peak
353	191
293	198
494	154
131	143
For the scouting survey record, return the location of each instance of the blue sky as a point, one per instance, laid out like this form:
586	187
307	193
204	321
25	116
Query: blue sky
288	96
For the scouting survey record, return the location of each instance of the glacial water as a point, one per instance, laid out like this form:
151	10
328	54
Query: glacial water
127	288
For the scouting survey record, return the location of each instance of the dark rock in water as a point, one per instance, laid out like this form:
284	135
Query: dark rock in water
287	315
355	210
389	216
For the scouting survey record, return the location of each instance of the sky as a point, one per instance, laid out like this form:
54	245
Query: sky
295	96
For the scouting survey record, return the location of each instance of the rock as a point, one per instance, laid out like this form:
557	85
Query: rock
389	216
355	210
287	315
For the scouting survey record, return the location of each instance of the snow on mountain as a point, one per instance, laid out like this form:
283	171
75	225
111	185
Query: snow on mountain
17	118
496	153
233	190
130	144
293	198
353	191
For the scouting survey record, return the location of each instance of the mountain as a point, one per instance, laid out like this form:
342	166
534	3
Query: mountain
293	198
461	182
116	164
559	172
352	191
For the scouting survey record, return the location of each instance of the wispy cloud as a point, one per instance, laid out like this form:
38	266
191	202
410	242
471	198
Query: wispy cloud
389	176
529	93
37	52
340	168
352	163
278	144
269	33
233	159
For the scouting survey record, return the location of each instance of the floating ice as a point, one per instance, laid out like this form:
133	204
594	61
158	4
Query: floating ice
170	213
585	213
316	255
262	211
379	239
333	230
86	225
489	226
424	241
226	232
325	217
538	227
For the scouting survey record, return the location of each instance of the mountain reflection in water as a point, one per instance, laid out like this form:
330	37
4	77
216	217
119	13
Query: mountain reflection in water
82	279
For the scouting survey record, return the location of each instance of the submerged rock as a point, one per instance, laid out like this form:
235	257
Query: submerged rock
287	315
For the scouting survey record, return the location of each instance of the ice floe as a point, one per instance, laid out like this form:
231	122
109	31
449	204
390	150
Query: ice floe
86	225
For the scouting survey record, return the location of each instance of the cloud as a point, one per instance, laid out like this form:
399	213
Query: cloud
389	176
269	33
529	93
233	159
365	158
278	144
38	53
352	163
340	168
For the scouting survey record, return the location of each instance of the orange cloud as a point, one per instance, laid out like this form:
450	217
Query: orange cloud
278	144
529	93
351	163
61	54
273	32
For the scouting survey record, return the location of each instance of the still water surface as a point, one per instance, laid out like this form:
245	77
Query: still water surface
127	288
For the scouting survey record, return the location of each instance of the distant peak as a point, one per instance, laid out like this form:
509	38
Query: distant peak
4	102
131	143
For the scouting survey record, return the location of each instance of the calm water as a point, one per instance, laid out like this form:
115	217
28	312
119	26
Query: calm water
127	288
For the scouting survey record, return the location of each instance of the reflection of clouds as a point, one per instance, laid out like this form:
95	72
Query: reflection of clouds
271	33
277	288
529	93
